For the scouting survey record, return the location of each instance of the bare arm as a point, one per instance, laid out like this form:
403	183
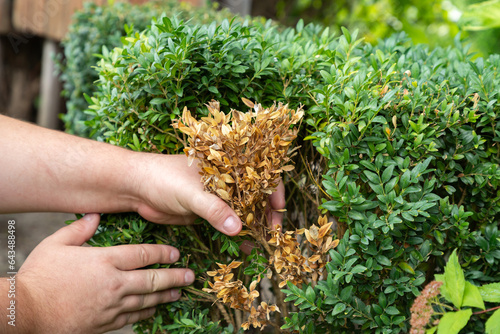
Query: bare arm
46	170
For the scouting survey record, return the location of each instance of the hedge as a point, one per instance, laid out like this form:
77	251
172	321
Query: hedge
399	146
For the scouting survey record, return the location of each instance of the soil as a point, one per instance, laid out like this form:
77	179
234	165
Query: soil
31	229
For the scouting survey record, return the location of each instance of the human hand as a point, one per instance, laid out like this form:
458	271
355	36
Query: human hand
73	289
171	193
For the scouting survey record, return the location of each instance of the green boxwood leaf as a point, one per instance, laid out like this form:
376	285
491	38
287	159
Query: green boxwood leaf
158	100
387	174
392	310
406	267
310	294
355	215
372	177
340	307
453	322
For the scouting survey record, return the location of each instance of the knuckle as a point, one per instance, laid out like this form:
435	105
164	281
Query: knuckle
122	320
114	285
217	210
140	301
78	226
127	318
144	255
155	280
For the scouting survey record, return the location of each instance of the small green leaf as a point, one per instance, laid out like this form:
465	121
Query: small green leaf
310	294
472	297
387	174
158	100
453	322
490	292
392	310
454	280
136	142
214	90
358	269
372	177
355	215
383	260
406	267
340	307
431	330
493	323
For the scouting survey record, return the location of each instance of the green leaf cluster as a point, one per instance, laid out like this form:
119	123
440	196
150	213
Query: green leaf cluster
410	137
461	293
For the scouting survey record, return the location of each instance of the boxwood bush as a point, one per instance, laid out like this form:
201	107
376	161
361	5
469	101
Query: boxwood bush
399	145
95	27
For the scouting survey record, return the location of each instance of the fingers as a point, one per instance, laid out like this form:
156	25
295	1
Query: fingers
138	302
160	217
128	257
78	232
277	202
148	281
129	318
216	212
247	246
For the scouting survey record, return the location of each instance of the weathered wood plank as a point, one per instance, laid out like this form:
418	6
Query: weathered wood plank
50	89
5	25
51	18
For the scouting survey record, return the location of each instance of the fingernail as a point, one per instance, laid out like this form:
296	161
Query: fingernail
89	216
231	225
175	294
174	255
189	277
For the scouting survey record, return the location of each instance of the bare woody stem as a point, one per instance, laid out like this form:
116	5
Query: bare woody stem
488	310
229	319
280	298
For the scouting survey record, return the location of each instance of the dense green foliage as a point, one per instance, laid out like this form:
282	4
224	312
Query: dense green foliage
404	140
96	27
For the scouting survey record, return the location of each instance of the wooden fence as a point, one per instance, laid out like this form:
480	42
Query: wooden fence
25	71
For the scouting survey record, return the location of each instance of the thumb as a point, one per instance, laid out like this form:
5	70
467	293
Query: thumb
79	231
216	212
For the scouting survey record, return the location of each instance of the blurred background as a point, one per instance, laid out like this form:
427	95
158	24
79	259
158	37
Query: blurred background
31	35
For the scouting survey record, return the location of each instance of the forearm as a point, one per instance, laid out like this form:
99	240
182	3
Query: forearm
15	312
46	170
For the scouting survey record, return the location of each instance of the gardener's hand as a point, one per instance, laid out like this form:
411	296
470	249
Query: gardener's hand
172	193
72	289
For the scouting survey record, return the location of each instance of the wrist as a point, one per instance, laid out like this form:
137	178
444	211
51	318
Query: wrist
129	180
140	174
16	304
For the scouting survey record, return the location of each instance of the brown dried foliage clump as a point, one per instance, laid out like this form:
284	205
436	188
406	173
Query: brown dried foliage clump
242	154
288	260
241	157
238	296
